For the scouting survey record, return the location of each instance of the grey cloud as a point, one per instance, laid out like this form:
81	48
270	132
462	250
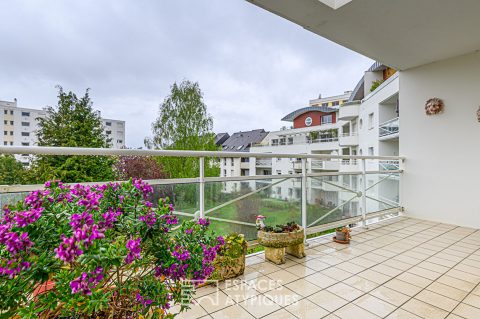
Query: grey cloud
253	66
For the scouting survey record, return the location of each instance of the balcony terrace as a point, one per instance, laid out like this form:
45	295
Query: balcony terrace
398	268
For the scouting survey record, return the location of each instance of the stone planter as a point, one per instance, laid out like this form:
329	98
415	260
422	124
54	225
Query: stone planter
277	244
228	268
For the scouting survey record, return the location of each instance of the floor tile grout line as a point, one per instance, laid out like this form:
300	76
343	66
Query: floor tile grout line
433	226
400	239
425	288
305	297
469	293
402	220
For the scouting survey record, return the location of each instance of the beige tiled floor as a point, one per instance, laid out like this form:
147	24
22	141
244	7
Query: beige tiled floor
399	269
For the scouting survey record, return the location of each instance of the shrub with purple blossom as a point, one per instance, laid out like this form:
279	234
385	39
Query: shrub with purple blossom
102	251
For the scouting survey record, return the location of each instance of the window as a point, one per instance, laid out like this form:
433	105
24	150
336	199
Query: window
370	121
361	123
266	172
11	112
25	113
308	121
325	104
5	133
335	103
370	151
5	143
327	119
5	122
245	159
224	172
290	141
231	161
11	122
25	134
119	141
11	143
25	123
290	192
5	112
108	123
25	144
279	172
11	133
108	132
279	190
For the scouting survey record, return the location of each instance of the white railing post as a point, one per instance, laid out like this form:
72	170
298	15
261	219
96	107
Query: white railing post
202	186
364	192
304	196
401	167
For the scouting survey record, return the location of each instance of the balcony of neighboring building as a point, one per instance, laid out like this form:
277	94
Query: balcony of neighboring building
245	163
389	130
348	139
349	165
349	111
264	162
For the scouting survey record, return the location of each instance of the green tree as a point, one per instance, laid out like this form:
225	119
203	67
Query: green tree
11	171
72	123
183	123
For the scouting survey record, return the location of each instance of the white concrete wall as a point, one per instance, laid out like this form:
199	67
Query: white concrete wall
442	171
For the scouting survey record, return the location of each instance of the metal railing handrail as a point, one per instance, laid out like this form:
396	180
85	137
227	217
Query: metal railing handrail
51	150
395	119
202	179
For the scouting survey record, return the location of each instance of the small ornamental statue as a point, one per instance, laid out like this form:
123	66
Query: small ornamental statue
260	222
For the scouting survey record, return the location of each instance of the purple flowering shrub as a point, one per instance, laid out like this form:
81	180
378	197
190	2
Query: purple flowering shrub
102	250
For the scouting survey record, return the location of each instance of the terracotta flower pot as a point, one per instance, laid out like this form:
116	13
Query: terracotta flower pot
43	288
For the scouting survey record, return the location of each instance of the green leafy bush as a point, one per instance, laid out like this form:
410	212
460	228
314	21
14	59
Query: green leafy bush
98	251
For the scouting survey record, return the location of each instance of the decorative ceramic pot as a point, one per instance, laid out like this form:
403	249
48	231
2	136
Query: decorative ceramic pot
341	236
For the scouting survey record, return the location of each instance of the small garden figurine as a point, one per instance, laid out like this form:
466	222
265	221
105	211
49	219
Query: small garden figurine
260	222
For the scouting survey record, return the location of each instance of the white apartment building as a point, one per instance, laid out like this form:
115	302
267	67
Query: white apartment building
359	122
18	126
370	126
232	167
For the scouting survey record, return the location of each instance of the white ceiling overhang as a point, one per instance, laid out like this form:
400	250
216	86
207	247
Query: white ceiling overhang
399	33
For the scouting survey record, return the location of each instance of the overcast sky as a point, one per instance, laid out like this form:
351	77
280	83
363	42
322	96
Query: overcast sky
253	67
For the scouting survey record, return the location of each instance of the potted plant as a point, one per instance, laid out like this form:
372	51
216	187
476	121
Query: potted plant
342	235
230	260
101	251
281	239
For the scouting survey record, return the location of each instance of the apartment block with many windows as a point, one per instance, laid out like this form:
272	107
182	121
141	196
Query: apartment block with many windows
18	126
